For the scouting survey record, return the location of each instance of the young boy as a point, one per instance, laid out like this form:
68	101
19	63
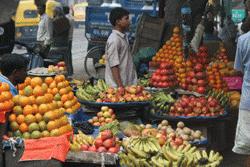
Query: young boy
120	70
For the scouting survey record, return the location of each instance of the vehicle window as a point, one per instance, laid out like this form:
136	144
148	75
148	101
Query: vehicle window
30	14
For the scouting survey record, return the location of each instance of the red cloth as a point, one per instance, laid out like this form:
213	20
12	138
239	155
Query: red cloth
46	148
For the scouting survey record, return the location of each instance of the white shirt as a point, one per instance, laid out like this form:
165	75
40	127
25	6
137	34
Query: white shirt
44	32
118	54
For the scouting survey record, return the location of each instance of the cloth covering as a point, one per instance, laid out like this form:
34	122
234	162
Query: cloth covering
46	148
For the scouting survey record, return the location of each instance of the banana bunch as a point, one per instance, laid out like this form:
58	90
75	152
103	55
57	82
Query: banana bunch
91	93
129	160
81	139
138	150
161	102
160	161
182	157
202	158
143	146
113	126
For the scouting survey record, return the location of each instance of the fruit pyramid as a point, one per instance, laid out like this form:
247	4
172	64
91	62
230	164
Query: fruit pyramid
6	103
164	76
36	113
221	54
215	77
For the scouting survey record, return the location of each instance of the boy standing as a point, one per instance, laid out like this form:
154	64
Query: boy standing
120	70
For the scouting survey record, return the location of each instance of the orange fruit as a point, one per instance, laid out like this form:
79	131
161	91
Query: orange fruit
63	91
49	97
4	87
6	95
44	87
51	125
61	85
69	110
28	109
32	100
27	81
23	127
59	78
38	91
48	80
64	98
21	86
71	95
29	119
54	91
43	108
41	100
60	104
20	119
69	89
15	99
35	108
68	104
52	85
2	98
66	83
9	105
23	101
36	81
39	117
12	117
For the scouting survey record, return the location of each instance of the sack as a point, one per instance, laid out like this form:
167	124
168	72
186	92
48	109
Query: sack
35	61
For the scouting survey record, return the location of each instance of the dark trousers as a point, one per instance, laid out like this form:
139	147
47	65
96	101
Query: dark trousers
70	63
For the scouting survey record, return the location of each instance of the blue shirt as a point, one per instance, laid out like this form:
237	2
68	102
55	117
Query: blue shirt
13	89
242	63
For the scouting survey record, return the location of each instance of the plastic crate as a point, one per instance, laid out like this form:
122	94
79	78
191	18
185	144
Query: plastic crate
132	3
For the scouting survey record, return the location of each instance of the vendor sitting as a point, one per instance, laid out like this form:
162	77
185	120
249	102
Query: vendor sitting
13	69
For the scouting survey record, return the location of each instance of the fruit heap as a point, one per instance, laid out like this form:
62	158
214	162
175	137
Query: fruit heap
81	142
127	94
171	50
187	134
36	114
105	142
234	98
144	151
196	106
106	115
161	103
59	68
196	79
221	54
215	78
201	56
62	91
164	76
227	69
91	92
6	103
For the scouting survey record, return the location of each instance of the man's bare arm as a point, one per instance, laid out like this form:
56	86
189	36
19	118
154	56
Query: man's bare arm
116	75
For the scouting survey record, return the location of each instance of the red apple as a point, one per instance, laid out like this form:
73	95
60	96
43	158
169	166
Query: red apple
92	148
84	147
106	134
101	149
109	143
98	142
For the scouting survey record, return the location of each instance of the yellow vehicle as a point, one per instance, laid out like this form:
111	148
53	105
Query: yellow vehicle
26	21
79	13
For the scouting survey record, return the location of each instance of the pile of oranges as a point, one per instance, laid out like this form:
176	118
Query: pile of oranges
215	77
40	106
171	50
6	103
